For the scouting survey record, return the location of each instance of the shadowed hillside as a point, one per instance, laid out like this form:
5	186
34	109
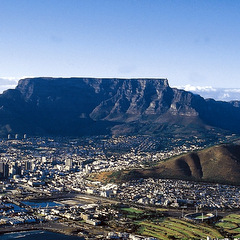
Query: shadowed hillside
216	164
92	106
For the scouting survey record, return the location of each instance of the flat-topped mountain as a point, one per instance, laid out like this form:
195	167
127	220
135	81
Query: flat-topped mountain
91	106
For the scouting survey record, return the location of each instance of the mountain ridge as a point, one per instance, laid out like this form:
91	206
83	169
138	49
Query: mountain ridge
92	106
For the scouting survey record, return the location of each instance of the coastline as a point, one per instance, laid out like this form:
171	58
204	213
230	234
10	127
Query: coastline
51	227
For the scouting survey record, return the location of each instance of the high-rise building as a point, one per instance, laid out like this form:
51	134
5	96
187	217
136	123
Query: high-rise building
69	163
28	165
4	169
17	169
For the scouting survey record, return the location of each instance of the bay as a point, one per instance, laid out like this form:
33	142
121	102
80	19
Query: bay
38	235
41	204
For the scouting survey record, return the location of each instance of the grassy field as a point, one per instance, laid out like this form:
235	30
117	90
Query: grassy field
230	224
162	209
227	225
202	217
132	210
172	228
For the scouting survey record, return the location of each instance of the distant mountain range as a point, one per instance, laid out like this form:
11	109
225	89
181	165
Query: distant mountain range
215	164
91	106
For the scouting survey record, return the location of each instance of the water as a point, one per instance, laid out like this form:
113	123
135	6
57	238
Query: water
38	235
15	207
41	204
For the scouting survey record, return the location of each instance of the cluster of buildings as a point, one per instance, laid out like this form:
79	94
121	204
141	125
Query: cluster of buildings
37	159
178	193
45	167
115	235
62	164
20	213
21	156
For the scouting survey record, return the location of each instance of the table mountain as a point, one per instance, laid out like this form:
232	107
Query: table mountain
92	106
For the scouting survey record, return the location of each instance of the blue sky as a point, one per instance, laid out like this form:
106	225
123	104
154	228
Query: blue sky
186	41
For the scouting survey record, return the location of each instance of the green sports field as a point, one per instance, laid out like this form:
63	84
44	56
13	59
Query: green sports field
173	228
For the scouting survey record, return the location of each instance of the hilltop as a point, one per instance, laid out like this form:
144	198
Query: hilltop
215	164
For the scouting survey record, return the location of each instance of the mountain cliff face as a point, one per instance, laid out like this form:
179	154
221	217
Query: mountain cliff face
86	106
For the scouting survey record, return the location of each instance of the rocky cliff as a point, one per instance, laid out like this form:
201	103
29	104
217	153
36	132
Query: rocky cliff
86	106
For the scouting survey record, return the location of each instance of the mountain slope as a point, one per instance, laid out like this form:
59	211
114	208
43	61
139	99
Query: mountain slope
216	164
86	106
